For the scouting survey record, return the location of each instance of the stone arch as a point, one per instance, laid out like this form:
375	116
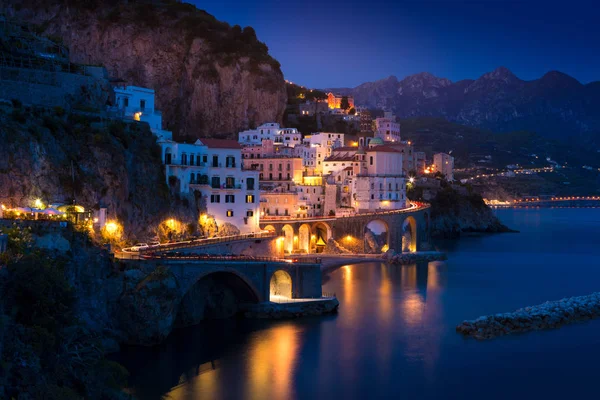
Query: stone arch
321	233
377	236
288	238
280	285
304	234
409	234
270	228
216	295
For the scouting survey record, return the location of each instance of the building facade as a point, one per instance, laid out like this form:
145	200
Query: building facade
271	131
444	163
137	103
334	101
213	168
387	128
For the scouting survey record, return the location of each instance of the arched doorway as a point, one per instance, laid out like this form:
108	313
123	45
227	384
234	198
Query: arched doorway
376	237
288	239
409	235
321	234
304	239
168	156
280	286
217	295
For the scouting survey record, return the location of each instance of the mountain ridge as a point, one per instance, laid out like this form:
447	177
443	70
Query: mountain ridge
555	105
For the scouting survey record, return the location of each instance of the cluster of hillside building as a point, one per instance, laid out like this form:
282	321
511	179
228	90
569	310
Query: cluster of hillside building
273	172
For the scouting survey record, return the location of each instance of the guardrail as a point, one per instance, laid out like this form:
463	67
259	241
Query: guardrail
208	257
200	242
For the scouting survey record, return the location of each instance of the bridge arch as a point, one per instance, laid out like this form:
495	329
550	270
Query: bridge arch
288	238
280	285
321	233
304	234
376	236
270	228
216	295
409	235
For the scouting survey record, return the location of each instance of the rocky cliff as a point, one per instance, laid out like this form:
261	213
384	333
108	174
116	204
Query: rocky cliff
58	157
210	79
555	106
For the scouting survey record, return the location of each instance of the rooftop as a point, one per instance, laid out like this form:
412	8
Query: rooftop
220	143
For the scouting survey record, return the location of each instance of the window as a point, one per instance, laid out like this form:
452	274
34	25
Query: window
215	162
249	213
184	159
230	213
198	159
372	197
250	184
204	158
270	176
215	182
191	159
250	198
229	198
230	162
142	104
215	198
126	102
371	160
230	182
192	178
280	176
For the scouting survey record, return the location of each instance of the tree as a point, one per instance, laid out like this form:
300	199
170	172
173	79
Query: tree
344	104
352	111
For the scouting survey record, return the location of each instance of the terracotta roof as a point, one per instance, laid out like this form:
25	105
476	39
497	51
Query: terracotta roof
345	148
385	149
340	158
348	169
220	143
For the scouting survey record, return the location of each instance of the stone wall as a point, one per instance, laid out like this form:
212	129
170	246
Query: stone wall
252	247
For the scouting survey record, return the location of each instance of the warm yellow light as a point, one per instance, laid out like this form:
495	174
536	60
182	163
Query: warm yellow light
95	220
172	224
295	238
313	237
385	248
411	179
137	115
111	227
38	204
3	207
348	237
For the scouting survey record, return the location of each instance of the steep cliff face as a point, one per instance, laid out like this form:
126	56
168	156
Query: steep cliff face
210	79
56	157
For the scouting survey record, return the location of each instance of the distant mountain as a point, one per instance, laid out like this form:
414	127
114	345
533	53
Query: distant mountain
555	106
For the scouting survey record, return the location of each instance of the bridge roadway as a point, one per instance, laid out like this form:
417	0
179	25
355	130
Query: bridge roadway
372	232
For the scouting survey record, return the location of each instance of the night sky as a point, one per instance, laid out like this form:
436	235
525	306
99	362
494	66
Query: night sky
345	43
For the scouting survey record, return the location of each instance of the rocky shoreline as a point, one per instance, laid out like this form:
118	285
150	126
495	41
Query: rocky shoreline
549	315
293	309
412	258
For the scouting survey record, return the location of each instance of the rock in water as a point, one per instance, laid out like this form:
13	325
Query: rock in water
551	314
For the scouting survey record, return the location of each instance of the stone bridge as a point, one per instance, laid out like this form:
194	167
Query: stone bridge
402	230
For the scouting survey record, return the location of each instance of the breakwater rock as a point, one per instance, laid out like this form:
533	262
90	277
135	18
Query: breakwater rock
411	258
293	309
551	314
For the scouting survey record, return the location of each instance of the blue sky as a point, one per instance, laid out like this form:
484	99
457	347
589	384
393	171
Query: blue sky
345	43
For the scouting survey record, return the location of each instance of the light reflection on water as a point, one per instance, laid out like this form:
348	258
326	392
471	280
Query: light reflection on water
394	333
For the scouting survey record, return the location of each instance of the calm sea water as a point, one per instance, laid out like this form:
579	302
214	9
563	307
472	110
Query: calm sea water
394	335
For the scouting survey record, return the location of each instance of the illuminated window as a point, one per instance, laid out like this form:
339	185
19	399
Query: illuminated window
230	213
249	213
250	198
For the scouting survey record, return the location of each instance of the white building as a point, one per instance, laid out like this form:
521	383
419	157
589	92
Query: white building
213	167
324	139
379	183
137	103
271	131
444	163
387	128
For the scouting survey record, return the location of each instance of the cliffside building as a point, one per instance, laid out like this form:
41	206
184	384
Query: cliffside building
444	163
334	101
137	103
213	168
271	131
